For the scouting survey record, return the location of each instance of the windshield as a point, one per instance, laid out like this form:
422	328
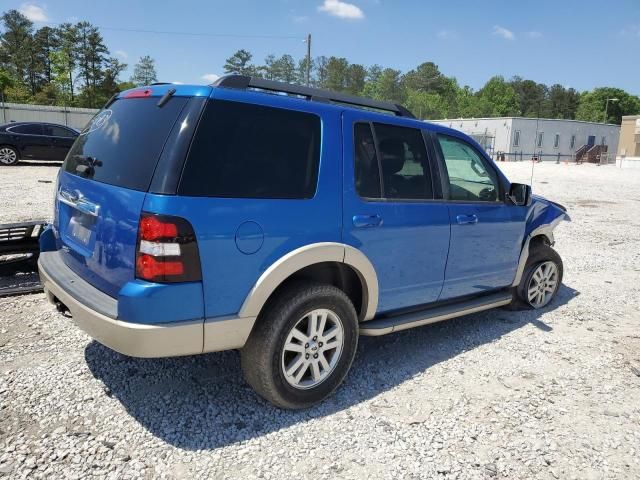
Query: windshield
121	144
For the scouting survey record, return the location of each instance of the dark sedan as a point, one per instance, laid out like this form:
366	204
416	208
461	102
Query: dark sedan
34	140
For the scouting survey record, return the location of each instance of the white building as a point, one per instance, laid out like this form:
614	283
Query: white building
522	138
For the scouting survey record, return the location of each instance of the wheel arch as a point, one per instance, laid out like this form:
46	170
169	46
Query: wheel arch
333	263
543	233
14	147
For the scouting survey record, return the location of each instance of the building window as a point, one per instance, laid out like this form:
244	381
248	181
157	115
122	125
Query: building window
604	140
540	139
556	141
516	138
573	142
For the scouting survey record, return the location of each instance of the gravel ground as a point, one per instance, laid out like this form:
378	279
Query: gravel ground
551	394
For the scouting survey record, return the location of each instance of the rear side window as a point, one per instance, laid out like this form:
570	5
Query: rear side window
124	142
27	129
404	165
55	131
242	150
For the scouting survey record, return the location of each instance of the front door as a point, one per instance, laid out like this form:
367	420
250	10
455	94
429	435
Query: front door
392	209
486	232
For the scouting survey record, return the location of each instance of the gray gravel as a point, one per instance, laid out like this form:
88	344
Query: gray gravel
553	394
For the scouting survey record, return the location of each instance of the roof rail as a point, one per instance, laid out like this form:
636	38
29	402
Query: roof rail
243	82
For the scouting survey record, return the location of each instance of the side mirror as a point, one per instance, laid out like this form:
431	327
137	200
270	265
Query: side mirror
520	194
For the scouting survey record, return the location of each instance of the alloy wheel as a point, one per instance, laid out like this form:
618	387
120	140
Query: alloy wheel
8	156
543	284
312	349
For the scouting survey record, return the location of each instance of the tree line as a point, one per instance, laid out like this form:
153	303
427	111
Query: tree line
64	65
430	94
70	64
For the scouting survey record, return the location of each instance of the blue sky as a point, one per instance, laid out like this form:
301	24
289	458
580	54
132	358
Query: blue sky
580	44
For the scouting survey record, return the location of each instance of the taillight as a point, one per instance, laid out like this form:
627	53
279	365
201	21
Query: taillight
167	250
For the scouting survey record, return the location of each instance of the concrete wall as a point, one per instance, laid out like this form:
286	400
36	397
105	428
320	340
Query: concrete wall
73	117
504	130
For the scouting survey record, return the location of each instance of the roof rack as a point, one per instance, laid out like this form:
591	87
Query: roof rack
243	82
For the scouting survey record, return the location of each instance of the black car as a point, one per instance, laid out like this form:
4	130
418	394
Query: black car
34	140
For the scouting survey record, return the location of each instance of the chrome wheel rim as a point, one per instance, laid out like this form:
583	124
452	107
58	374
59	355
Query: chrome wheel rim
7	156
543	284
312	349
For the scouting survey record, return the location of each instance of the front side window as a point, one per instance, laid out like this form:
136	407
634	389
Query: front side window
470	177
27	129
241	150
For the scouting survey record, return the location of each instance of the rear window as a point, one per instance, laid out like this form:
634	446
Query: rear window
250	151
124	141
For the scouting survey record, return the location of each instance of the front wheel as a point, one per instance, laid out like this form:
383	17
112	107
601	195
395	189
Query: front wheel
302	347
541	279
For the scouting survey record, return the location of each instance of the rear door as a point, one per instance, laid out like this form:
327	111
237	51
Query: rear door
392	210
486	232
102	187
31	140
61	140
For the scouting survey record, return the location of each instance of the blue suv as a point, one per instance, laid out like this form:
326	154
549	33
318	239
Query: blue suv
283	221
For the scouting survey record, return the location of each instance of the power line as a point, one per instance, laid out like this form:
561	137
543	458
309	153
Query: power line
190	34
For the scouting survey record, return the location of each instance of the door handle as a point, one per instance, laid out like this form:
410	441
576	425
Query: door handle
367	221
467	219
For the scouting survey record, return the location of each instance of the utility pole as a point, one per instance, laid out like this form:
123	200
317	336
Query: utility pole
308	60
606	108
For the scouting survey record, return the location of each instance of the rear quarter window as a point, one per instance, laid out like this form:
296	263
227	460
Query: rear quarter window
126	139
243	150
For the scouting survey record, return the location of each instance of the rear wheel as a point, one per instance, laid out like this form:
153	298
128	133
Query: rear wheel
541	278
302	347
8	155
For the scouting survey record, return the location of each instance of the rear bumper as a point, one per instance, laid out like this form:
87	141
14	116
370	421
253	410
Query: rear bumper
95	313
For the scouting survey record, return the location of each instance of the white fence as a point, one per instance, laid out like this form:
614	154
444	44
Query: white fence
71	116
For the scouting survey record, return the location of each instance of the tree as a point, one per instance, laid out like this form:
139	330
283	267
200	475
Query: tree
593	104
355	79
387	87
498	98
562	102
240	63
144	72
91	54
321	72
531	97
66	37
15	45
284	69
337	69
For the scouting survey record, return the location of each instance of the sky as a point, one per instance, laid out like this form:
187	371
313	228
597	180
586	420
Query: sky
577	43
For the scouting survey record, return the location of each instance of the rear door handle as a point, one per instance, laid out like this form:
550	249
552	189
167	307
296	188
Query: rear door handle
367	221
467	219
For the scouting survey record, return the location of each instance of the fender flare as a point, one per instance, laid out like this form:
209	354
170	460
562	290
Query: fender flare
308	255
545	230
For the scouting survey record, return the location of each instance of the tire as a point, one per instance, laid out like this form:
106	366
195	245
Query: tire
267	353
8	156
543	261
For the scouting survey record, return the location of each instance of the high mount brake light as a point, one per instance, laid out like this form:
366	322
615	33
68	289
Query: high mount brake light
139	93
167	250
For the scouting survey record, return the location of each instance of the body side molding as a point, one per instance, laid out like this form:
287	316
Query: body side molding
308	255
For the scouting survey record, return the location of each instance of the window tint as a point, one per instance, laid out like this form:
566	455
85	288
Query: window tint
126	139
470	178
403	159
27	129
366	162
250	151
55	131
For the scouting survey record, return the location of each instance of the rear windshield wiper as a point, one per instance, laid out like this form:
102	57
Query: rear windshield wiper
86	165
165	98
